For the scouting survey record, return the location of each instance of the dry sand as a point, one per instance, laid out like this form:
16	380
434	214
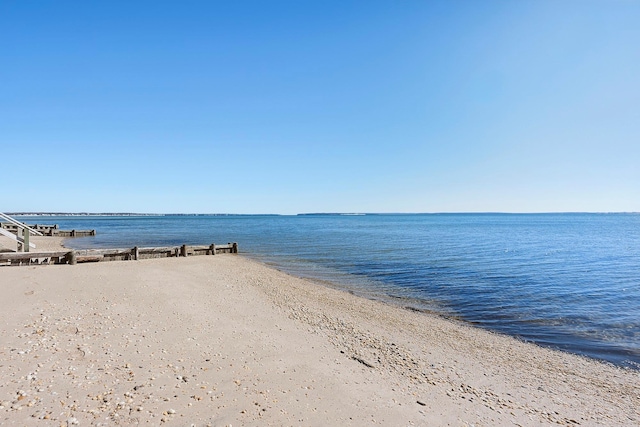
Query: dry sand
43	243
223	340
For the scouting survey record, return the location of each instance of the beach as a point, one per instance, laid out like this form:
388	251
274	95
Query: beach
225	340
42	243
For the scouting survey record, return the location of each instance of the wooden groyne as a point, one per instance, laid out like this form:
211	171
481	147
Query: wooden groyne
49	230
101	255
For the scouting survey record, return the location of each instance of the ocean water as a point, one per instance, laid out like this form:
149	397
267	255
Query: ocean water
568	281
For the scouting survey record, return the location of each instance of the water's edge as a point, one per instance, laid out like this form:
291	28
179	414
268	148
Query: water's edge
564	281
419	306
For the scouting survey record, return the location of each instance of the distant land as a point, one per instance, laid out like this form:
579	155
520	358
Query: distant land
81	214
74	214
118	214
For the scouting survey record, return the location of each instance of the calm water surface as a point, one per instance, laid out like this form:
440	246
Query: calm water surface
569	281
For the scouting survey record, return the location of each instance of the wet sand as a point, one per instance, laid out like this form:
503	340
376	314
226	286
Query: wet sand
223	340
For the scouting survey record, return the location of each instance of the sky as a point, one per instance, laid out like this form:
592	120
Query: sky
288	107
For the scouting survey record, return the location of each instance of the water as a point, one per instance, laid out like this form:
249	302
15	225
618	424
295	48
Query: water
568	281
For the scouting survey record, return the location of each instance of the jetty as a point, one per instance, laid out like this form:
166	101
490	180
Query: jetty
73	257
47	230
20	232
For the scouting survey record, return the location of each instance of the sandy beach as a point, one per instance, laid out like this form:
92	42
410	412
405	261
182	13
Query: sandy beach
224	340
42	243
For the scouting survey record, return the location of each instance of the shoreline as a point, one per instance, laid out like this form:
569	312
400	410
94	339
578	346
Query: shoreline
419	306
227	340
528	290
53	243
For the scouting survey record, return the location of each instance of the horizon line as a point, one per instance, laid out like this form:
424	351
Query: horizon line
346	213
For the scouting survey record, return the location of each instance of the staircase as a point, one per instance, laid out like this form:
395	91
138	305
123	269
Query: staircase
22	236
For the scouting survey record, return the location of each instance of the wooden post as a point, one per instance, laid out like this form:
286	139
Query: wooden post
72	258
136	253
25	245
73	233
183	250
212	248
235	248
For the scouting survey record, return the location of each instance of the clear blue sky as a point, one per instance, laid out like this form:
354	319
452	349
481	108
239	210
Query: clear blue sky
325	106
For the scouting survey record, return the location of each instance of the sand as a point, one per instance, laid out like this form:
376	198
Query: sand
43	243
224	340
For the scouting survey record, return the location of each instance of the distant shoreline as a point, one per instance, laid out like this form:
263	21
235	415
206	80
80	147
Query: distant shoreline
126	214
129	214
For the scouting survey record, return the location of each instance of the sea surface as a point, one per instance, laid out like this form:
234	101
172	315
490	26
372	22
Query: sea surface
567	281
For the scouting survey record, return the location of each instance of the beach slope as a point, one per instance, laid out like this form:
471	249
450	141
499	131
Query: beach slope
223	340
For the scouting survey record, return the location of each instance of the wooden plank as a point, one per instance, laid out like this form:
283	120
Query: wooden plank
26	255
25	236
171	249
126	252
229	246
91	252
89	258
97	255
72	233
8	256
47	229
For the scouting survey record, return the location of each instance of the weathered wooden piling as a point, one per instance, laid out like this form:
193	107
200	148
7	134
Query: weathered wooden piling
71	258
49	230
100	255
